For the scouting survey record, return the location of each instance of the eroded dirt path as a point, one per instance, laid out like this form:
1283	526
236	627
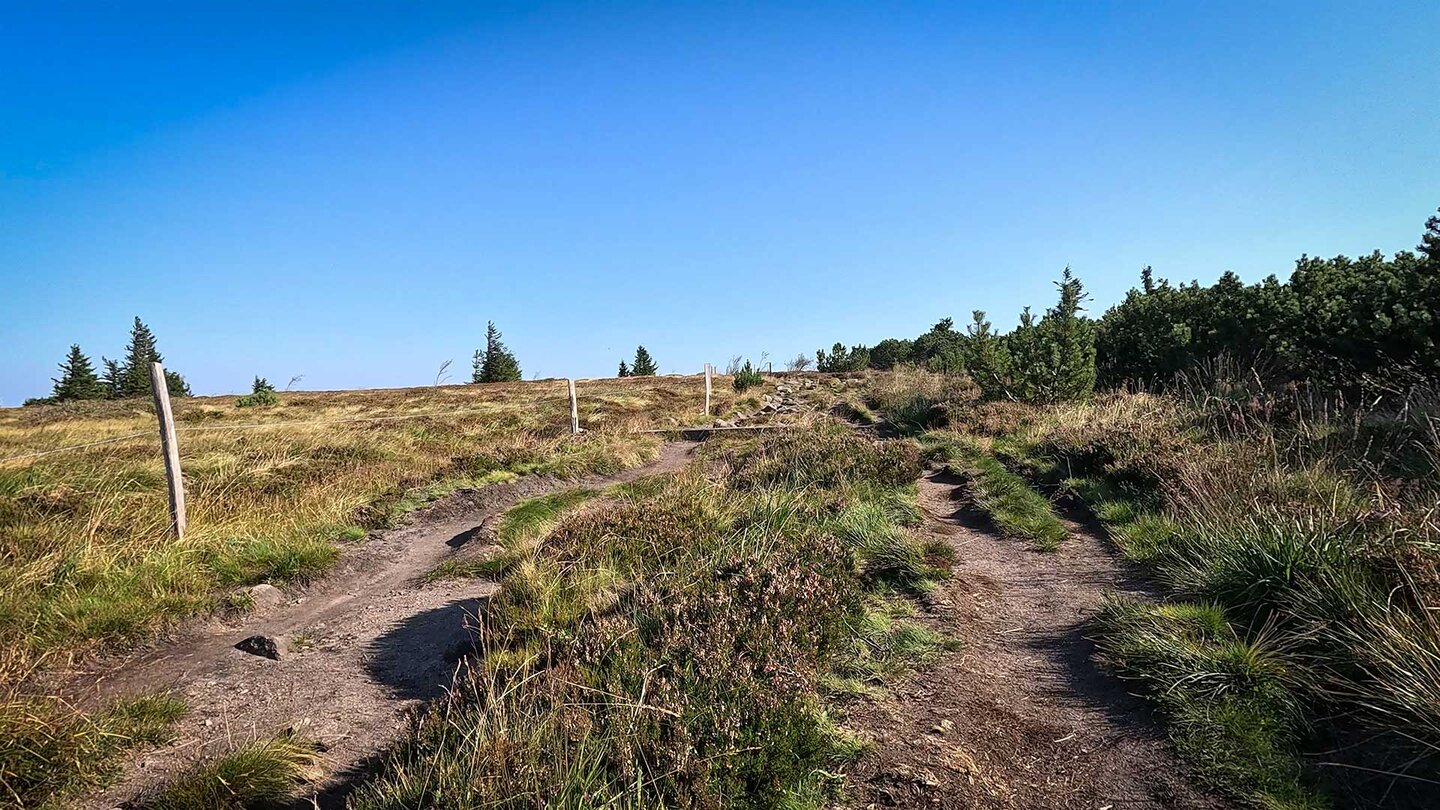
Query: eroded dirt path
1019	716
368	643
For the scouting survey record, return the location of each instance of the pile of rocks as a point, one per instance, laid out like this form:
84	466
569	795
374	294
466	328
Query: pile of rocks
782	401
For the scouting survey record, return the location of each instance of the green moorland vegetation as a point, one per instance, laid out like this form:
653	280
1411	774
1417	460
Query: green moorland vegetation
1286	505
671	644
273	492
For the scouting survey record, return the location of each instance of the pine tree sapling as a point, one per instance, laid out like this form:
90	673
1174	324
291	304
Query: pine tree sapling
643	366
77	379
624	370
262	393
747	376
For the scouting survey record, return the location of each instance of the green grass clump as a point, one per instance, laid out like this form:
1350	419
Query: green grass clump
534	517
886	641
1233	713
884	550
261	774
49	752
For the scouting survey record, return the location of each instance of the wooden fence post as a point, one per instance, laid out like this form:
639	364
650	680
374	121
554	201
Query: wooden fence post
574	407
169	449
707	389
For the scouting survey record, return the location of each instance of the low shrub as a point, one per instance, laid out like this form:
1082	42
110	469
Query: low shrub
747	377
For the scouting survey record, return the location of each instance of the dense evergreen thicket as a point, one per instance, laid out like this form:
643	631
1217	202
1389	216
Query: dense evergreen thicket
1367	325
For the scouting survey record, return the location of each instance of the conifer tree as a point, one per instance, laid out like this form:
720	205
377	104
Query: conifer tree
499	364
624	370
77	378
111	380
1072	341
643	366
1430	241
986	359
477	367
133	378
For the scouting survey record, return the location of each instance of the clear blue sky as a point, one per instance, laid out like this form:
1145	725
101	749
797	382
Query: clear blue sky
348	191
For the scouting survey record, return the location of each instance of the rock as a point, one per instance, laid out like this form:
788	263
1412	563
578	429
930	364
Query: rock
264	646
265	596
769	407
724	423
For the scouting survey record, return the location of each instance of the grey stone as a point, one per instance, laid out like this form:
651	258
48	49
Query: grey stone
265	596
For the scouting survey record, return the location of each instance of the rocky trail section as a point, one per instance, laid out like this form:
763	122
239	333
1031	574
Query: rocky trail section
348	656
1019	716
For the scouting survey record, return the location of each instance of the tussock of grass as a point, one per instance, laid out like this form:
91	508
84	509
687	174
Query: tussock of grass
534	517
260	774
48	751
666	646
1234	714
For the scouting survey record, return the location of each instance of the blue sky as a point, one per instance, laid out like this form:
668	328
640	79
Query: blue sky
349	191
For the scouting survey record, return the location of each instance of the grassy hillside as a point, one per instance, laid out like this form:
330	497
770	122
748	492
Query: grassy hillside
273	493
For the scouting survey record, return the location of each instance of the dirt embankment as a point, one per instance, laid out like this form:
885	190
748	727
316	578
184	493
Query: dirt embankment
361	647
1019	716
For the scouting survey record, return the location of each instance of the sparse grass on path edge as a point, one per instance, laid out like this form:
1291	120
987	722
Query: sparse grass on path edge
49	752
1015	507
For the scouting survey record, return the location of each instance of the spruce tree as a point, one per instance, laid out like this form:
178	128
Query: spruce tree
477	367
643	366
139	354
176	384
133	377
624	370
77	378
111	380
499	364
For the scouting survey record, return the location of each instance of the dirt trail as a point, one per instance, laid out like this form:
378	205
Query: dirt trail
1019	717
373	641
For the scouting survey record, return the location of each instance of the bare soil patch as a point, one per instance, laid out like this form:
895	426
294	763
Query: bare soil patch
362	646
1019	716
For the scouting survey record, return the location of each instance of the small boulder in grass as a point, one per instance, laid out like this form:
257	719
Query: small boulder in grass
265	596
270	647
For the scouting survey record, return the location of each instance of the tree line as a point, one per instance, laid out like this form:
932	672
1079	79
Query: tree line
117	379
1369	325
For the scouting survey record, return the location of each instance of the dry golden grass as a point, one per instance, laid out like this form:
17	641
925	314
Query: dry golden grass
85	552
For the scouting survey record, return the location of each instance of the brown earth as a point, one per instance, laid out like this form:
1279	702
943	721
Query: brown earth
1019	716
368	643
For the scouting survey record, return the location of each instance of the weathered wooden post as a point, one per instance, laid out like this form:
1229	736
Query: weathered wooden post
169	449
707	389
574	407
